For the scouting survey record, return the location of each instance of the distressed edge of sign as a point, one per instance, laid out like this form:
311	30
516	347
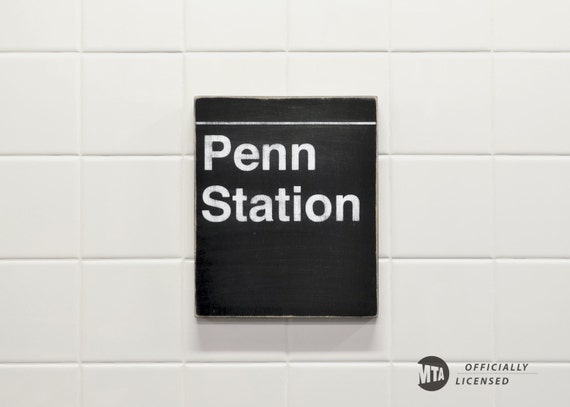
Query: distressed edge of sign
376	226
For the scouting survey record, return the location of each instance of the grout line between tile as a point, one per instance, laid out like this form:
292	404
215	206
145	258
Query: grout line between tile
185	215
176	259
81	186
494	252
389	203
287	383
287	320
6	364
494	187
4	156
297	51
493	193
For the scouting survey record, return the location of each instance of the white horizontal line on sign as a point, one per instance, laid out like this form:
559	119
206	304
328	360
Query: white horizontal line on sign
289	123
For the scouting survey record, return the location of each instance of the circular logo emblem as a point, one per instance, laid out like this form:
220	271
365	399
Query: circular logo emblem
433	374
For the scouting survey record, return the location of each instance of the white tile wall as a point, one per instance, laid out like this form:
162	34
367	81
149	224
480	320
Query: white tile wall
39	385
317	25
96	199
457	25
188	186
39	103
383	202
532	95
132	104
229	25
39	25
39	207
406	392
529	25
339	384
131	207
532	303
221	385
441	206
443	307
132	25
532	201
550	379
449	96
39	311
132	311
133	385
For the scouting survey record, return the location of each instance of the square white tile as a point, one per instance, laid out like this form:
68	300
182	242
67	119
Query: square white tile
132	207
39	209
441	207
231	74
115	385
39	385
39	311
343	74
532	201
364	339
339	384
338	25
227	25
406	392
188	207
39	103
132	311
32	25
532	94
229	340
441	103
383	210
441	25
132	25
528	25
547	387
132	104
532	310
236	384
442	308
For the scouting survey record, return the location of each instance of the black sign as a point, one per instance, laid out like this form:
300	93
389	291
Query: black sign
286	207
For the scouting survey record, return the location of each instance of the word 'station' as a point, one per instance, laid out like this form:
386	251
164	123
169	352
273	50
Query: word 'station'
286	207
246	158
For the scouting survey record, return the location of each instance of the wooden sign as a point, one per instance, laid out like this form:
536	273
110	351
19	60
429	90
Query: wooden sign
286	207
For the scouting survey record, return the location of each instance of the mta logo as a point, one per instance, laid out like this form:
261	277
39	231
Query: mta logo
433	374
430	374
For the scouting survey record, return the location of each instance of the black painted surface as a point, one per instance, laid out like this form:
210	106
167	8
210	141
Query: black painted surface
291	268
